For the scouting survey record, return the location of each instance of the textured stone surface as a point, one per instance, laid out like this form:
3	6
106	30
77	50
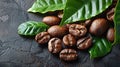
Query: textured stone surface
17	51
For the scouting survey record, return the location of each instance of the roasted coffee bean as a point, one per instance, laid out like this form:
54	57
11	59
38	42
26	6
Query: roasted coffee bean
68	54
77	30
110	14
51	20
57	31
98	26
55	45
60	14
42	37
69	40
84	43
67	26
110	34
88	23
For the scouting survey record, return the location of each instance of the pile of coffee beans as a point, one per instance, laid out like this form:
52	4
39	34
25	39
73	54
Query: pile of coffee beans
68	39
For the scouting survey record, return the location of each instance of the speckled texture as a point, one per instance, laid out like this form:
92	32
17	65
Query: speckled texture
17	51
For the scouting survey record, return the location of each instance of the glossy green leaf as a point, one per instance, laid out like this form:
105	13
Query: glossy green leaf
43	6
117	23
31	28
77	10
101	47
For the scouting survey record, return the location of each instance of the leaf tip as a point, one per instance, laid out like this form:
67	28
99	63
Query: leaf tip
29	10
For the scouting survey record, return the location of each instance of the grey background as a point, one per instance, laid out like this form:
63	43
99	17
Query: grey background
17	51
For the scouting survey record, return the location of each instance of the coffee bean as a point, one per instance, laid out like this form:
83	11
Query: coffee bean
55	45
110	34
42	37
69	40
98	26
110	14
77	30
51	20
67	26
88	23
68	54
84	43
82	23
57	31
60	14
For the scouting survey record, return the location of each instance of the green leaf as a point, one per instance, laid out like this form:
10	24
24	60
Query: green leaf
117	23
43	6
77	10
100	47
31	28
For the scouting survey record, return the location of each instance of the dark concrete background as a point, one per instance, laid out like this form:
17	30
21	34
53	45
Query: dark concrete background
17	51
